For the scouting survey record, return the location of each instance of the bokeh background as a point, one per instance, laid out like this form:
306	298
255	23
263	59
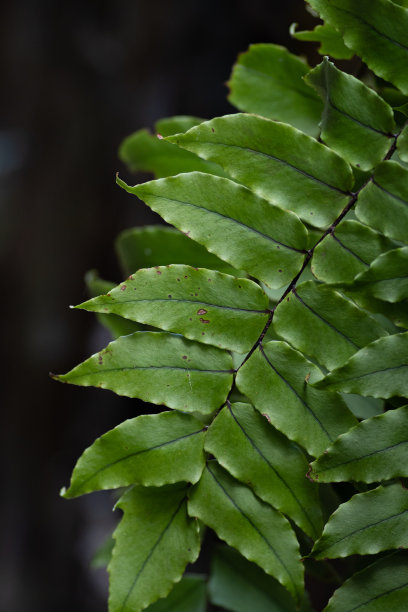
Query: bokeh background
76	78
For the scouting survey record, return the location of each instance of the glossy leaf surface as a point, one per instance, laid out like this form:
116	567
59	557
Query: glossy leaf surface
159	367
276	378
402	146
387	277
356	122
377	449
200	304
267	80
188	595
388	191
150	450
230	221
259	532
174	125
255	453
367	524
153	544
378	370
347	251
379	587
321	323
277	161
370	25
330	39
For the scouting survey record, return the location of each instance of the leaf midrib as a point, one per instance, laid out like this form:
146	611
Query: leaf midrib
361	457
198	301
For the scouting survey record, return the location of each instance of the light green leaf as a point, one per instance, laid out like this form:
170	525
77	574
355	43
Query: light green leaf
259	532
156	245
159	368
378	370
402	146
321	323
377	449
347	251
255	453
276	378
276	161
174	125
366	524
387	277
153	544
363	407
238	585
330	39
145	152
381	586
267	81
232	222
188	595
150	450
397	313
383	203
356	122
117	326
200	304
370	25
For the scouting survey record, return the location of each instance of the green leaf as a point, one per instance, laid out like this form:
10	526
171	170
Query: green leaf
238	585
255	453
159	368
267	81
231	221
276	378
153	544
174	125
377	449
397	313
117	326
402	145
363	407
378	370
379	587
383	203
202	305
259	532
188	595
366	524
150	450
368	26
155	245
330	39
356	122
387	277
347	251
144	152
321	323
103	554
277	161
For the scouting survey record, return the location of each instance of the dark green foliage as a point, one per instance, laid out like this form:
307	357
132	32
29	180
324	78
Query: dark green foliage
279	318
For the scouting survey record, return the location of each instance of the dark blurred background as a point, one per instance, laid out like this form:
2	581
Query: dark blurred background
77	77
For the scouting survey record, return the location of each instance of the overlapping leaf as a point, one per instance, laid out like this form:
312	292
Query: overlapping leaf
370	25
330	39
379	587
188	595
402	146
356	122
156	245
397	313
174	125
232	222
277	161
276	378
347	251
150	450
267	80
155	528
377	449
159	368
254	452
321	323
383	203
366	524
378	370
259	532
200	304
142	151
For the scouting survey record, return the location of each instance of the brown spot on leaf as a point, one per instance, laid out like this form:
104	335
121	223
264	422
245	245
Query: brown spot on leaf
169	296
201	311
184	357
267	417
158	271
123	287
204	320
